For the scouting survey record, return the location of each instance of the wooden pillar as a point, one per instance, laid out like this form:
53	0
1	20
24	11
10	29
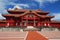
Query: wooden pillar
26	22
38	23
48	24
45	24
16	23
7	25
21	23
34	22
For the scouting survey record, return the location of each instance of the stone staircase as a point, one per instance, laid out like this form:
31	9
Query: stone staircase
31	28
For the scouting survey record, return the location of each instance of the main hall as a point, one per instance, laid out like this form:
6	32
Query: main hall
22	18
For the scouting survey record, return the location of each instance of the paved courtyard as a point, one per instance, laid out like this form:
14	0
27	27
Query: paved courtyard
30	35
13	35
51	35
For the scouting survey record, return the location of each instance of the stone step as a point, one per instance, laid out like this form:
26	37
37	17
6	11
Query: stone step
31	28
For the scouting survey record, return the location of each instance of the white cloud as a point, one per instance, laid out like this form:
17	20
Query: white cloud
46	0
57	16
19	6
51	1
25	5
40	1
2	8
15	7
3	4
43	1
1	17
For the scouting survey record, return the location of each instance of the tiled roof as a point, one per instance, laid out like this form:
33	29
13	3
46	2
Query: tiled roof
2	20
18	15
54	21
41	12
35	12
16	11
22	11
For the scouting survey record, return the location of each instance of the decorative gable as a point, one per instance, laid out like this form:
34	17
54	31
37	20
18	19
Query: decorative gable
30	15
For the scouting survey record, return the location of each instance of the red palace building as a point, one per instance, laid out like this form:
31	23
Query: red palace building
23	18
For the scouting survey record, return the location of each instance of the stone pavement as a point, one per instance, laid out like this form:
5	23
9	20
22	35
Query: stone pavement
51	35
13	35
25	35
33	35
30	35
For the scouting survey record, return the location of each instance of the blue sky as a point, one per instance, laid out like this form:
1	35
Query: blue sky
53	6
